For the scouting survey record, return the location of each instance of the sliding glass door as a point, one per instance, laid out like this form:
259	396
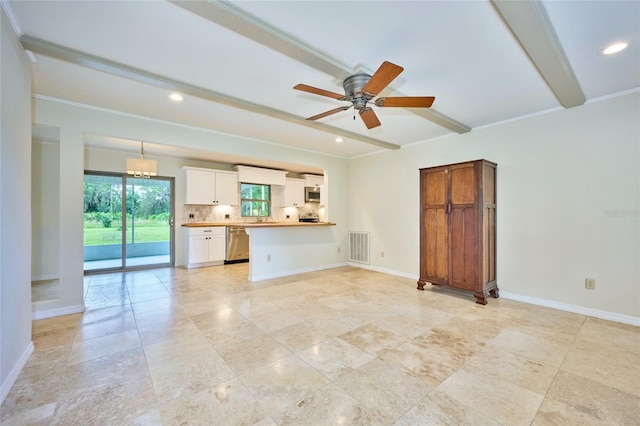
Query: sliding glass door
128	222
149	219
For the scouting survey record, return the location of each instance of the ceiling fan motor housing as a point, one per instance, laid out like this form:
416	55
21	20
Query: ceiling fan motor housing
361	88
353	90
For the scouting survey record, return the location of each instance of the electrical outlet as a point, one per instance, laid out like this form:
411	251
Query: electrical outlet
338	249
268	258
226	216
590	283
381	254
192	216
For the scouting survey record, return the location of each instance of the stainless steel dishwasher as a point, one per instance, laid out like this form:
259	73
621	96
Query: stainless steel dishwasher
237	245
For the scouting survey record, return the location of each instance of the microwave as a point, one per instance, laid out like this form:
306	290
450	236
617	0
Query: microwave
311	194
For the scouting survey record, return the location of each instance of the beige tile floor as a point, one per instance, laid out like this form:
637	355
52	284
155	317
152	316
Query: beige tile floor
343	346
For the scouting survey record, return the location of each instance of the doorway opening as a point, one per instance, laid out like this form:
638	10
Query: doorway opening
128	222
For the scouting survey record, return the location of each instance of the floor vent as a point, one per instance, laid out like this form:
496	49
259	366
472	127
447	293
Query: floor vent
359	247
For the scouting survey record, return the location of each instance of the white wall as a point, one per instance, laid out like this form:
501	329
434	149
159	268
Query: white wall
15	207
568	204
75	120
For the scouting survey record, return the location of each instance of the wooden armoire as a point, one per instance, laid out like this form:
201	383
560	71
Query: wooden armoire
458	227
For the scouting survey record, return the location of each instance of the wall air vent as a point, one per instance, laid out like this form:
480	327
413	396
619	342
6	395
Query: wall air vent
359	247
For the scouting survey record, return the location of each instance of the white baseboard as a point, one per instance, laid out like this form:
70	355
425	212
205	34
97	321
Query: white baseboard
15	372
384	270
596	313
37	314
294	272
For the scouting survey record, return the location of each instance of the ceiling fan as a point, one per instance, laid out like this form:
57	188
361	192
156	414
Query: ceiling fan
361	88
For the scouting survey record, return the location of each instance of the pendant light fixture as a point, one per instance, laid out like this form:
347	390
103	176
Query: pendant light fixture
141	167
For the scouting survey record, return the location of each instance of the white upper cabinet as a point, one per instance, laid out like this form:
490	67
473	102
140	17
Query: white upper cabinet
313	180
211	187
260	176
200	187
227	189
293	194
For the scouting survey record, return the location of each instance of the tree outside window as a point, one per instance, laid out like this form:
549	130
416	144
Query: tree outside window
255	200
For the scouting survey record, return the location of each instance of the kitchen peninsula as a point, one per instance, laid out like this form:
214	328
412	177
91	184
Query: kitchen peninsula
278	249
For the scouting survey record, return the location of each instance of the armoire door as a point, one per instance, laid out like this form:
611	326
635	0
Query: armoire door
463	267
435	222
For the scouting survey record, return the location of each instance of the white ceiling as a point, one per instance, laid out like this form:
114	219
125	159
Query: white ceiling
250	54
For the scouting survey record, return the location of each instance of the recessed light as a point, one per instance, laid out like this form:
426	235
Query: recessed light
176	97
614	48
339	139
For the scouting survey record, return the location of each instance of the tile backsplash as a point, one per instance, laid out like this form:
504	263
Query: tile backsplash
221	214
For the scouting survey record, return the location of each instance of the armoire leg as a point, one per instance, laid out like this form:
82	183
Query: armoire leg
480	298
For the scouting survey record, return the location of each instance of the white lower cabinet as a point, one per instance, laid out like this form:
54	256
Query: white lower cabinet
204	246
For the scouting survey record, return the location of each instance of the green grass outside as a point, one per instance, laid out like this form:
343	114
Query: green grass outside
143	233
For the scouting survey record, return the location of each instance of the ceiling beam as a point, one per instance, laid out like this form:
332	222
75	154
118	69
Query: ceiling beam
142	76
234	18
530	24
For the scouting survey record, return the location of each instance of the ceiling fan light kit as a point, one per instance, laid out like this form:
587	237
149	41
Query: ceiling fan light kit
361	88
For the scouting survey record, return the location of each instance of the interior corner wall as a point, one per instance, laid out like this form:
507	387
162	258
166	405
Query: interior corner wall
45	217
15	207
568	193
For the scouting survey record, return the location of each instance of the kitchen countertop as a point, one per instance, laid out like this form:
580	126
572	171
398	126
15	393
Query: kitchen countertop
257	224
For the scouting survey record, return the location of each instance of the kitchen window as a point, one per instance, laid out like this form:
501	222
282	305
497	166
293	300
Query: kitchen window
255	200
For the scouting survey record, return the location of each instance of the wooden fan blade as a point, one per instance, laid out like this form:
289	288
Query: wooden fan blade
370	118
326	113
321	92
381	78
406	101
